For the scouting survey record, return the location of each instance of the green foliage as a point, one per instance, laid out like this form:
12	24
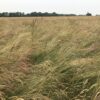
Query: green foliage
37	58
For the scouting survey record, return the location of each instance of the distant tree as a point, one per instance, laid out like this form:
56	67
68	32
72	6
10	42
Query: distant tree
32	14
81	15
54	14
4	14
71	15
97	15
88	14
16	14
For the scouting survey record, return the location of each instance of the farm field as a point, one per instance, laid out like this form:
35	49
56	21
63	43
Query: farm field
50	58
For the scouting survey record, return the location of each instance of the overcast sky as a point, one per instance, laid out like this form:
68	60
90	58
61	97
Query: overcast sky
59	6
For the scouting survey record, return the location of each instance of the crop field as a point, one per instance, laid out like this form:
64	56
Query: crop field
50	58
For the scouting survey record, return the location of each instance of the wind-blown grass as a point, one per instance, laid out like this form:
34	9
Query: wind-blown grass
52	58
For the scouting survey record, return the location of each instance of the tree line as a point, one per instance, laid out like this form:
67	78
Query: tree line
35	14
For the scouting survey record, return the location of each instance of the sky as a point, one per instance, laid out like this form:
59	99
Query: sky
59	6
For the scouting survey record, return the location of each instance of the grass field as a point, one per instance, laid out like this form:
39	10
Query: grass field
50	58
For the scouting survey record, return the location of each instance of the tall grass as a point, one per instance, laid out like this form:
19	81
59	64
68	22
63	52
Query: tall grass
53	58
